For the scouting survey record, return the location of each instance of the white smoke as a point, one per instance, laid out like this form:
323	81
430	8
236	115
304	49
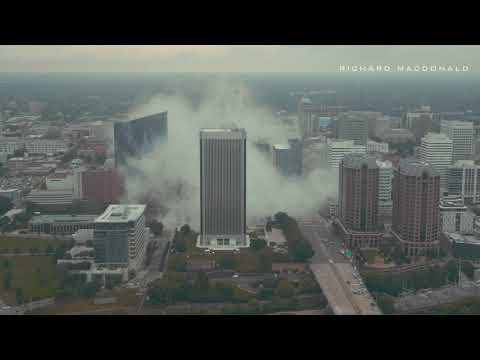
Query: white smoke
172	171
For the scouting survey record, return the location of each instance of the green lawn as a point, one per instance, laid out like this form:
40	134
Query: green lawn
35	275
25	244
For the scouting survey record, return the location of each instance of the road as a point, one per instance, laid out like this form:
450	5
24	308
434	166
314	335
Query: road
334	272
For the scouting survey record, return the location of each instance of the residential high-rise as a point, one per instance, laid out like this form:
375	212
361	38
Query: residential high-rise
437	149
358	201
385	177
416	211
120	236
223	189
353	127
463	179
462	135
138	137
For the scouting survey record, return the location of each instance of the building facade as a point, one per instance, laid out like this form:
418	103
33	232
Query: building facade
138	137
385	177
358	201
416	211
120	237
353	127
419	123
462	135
338	148
437	150
223	189
373	146
61	224
463	180
456	218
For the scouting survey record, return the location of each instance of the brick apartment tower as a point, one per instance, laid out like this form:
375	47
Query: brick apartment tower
416	212
358	195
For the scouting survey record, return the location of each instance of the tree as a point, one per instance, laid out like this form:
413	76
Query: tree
226	261
5	204
257	244
185	229
177	262
7	280
285	289
302	251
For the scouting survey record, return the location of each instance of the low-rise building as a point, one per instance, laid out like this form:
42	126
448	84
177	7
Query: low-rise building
61	224
456	217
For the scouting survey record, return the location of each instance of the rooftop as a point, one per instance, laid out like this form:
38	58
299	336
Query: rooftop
415	167
281	146
121	213
356	160
60	218
458	123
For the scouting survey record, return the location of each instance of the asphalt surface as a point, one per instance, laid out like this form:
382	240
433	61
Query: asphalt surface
334	272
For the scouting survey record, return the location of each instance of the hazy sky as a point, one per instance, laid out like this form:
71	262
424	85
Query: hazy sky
226	58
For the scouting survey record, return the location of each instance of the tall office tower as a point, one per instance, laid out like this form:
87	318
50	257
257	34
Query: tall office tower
353	127
463	179
462	134
385	188
381	125
282	160
307	118
437	150
358	201
223	189
371	119
416	212
338	148
419	123
101	185
138	137
120	236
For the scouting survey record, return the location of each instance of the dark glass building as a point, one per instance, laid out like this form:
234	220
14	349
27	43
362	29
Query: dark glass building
138	137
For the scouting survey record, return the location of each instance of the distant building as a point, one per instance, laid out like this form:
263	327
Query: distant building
437	150
416	211
353	127
120	236
456	217
419	123
44	146
462	135
100	185
288	158
223	189
397	136
55	198
60	181
358	200
463	179
138	137
14	195
338	148
373	146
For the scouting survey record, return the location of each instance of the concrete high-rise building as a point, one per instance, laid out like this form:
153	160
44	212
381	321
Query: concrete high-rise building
463	180
338	148
437	150
223	189
373	146
353	127
358	201
120	236
462	135
137	137
385	177
296	150
419	123
416	211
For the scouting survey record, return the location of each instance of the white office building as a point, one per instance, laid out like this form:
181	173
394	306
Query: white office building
385	177
463	180
9	145
456	217
462	135
338	148
223	189
45	146
120	236
437	149
377	147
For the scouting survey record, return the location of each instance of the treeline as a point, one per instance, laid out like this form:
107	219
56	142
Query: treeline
299	248
394	283
175	287
184	238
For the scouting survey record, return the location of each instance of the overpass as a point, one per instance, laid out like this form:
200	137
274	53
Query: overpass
338	279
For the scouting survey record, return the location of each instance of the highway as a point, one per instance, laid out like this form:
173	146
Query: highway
337	277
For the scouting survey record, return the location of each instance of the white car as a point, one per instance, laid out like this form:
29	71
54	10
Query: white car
235	276
330	261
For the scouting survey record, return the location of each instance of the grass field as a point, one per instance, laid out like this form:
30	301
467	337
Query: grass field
25	244
35	275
